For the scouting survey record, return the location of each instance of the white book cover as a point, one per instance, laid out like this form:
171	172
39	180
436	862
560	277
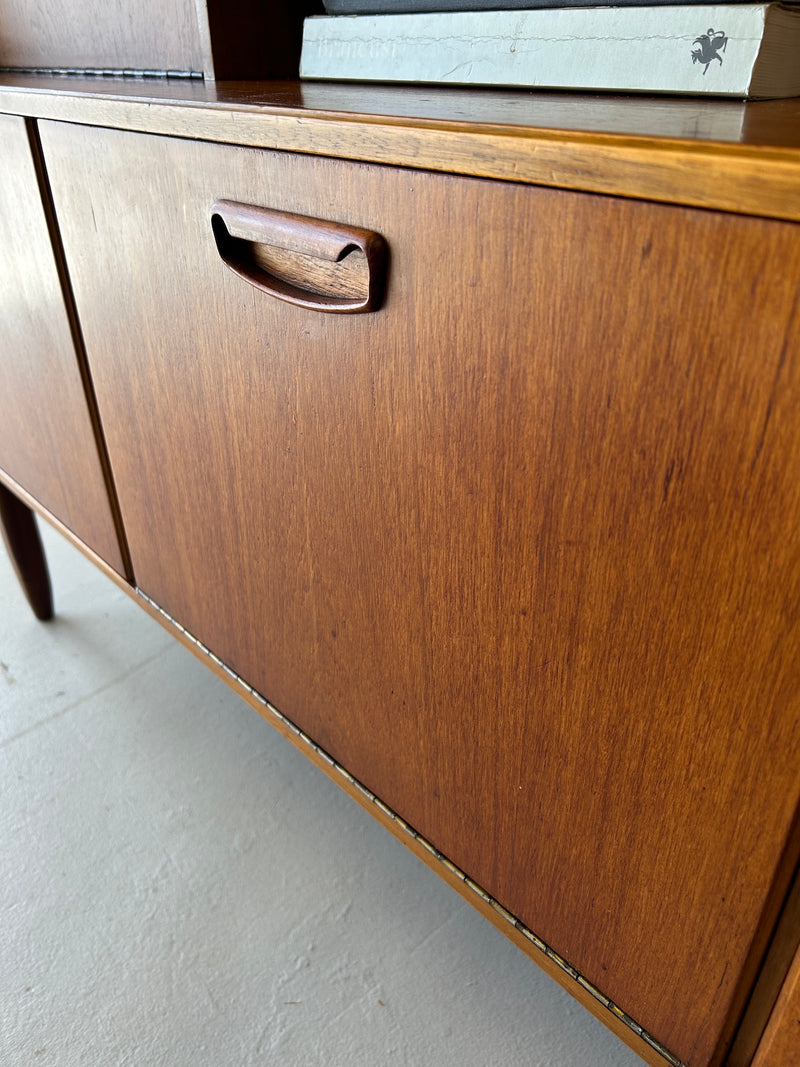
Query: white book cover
683	49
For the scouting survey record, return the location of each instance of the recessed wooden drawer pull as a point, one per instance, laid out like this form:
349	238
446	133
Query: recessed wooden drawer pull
310	262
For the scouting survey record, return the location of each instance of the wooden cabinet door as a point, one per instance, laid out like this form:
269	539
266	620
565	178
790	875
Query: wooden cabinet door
101	34
47	440
519	549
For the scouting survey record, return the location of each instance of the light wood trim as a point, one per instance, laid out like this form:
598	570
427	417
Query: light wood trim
740	177
204	38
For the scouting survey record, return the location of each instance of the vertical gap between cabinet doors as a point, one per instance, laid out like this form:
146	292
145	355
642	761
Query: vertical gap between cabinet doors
68	297
775	966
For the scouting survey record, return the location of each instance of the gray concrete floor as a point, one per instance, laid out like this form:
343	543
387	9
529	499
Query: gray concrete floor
180	886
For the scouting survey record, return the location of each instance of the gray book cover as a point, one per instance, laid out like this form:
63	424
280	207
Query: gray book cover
752	50
407	7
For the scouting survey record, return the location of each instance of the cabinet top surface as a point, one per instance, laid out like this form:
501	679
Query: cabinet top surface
756	123
731	155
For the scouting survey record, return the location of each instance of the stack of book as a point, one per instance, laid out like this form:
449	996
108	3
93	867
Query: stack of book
745	50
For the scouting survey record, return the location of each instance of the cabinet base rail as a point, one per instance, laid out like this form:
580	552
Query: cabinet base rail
304	741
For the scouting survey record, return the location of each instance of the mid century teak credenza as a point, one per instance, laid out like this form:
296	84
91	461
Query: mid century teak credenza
511	548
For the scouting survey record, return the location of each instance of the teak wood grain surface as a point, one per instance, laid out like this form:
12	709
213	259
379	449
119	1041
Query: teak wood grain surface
519	550
47	438
97	34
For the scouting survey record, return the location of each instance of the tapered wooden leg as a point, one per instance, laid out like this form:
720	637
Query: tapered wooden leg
21	537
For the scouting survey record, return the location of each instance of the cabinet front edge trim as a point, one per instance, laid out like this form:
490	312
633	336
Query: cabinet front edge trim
744	179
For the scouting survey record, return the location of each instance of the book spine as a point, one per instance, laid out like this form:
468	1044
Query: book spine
405	7
697	49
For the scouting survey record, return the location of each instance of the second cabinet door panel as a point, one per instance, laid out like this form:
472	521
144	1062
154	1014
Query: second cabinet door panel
519	549
47	439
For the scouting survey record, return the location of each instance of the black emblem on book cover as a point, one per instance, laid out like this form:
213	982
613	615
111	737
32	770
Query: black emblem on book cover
711	44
